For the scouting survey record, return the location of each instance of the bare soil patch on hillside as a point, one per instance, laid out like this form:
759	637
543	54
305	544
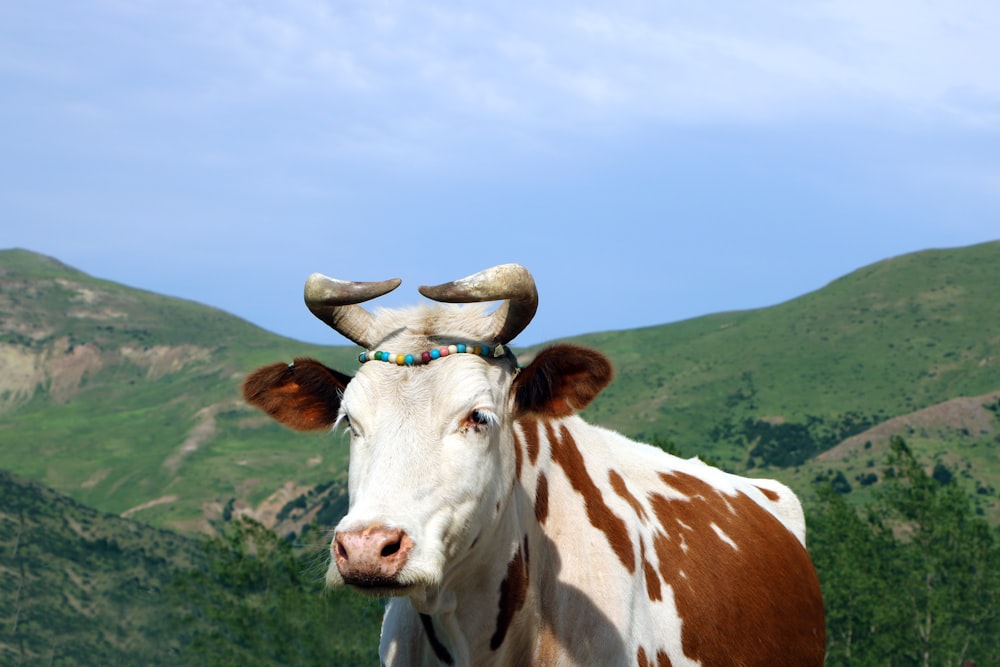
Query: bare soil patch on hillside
966	414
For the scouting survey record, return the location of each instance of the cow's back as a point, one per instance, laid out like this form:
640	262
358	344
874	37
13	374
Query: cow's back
658	560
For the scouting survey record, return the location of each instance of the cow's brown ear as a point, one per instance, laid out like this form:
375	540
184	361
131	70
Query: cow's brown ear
304	395
561	380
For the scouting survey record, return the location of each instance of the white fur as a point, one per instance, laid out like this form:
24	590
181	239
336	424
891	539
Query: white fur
416	464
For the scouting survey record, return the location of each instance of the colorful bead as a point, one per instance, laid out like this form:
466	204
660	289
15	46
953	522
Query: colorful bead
430	355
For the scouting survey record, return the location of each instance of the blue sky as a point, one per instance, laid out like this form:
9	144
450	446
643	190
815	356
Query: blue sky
648	161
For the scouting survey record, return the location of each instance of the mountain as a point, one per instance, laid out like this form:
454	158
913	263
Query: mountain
79	587
894	348
129	401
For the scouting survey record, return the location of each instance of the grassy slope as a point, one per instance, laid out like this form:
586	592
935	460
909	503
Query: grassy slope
78	587
886	340
883	341
116	437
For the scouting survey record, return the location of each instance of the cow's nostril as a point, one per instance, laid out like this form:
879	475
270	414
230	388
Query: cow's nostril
391	548
372	556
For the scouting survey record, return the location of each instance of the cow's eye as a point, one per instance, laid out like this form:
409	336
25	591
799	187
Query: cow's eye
479	420
349	426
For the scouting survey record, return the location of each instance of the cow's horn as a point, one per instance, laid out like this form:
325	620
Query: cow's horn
336	303
510	282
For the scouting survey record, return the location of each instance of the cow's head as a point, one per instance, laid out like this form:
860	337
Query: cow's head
432	461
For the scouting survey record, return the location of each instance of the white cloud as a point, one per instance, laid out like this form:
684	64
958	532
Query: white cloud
512	63
400	78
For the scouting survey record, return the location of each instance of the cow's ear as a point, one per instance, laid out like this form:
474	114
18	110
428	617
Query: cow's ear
304	395
561	380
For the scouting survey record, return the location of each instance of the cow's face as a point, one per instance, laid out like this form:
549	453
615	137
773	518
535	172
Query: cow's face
432	461
430	465
431	457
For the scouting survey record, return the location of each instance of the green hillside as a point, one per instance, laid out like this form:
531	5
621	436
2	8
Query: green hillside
79	587
82	588
129	401
778	386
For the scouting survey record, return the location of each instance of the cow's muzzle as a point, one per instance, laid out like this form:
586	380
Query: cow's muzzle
371	557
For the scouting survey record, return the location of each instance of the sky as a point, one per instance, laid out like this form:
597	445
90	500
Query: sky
648	162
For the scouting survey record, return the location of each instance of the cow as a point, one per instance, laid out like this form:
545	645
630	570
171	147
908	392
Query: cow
506	530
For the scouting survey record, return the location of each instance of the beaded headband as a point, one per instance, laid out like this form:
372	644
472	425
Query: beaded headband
430	355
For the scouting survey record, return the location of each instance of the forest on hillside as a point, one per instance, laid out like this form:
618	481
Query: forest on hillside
913	578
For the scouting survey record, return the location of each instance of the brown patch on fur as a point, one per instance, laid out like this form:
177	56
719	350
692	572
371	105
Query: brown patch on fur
618	484
566	454
440	650
561	380
532	445
662	659
518	455
769	494
513	593
653	590
756	618
542	499
548	651
304	395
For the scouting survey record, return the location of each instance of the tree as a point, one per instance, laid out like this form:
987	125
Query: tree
256	604
914	578
950	558
861	584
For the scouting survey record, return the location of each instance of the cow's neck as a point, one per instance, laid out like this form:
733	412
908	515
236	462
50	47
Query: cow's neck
489	608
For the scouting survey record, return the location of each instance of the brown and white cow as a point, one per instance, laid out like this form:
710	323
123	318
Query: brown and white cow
508	531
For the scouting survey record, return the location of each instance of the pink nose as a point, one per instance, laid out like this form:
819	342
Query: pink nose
371	557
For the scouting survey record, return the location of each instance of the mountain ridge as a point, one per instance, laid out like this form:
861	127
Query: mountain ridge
132	398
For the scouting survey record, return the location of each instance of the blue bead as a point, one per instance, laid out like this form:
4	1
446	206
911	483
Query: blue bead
461	347
408	360
435	354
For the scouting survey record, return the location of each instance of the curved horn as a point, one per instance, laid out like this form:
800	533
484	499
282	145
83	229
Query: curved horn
335	302
510	282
